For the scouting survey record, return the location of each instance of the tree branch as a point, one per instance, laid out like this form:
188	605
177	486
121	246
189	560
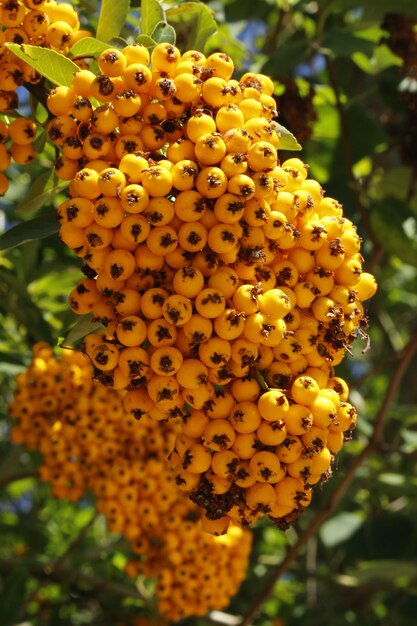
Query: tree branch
337	495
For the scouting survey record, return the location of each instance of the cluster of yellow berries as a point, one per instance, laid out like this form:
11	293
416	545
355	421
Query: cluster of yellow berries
16	142
88	442
229	285
45	23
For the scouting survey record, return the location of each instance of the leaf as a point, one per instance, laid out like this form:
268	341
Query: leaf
19	303
384	569
287	139
146	41
54	66
376	9
112	18
372	9
38	228
382	58
88	46
164	32
286	57
12	591
151	14
197	20
392	222
83	327
410	439
342	42
339	528
118	42
40	141
13	358
41	191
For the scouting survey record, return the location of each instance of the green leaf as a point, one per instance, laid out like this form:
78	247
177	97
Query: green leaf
342	42
410	439
339	528
150	15
19	303
382	58
376	9
83	327
88	46
381	569
164	32
282	62
13	358
40	141
40	192
372	9
146	41
196	20
113	14
287	139
38	228
118	42
394	225
11	594
54	66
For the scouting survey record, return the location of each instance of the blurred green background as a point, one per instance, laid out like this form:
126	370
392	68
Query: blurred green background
346	84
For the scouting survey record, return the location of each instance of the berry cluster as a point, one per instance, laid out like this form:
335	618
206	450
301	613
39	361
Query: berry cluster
229	285
194	570
88	442
43	23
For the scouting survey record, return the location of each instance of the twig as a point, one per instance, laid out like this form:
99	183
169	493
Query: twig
337	495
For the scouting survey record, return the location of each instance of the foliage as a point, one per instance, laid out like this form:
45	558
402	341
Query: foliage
356	106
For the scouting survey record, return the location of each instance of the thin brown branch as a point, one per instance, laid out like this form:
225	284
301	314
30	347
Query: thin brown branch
337	495
348	154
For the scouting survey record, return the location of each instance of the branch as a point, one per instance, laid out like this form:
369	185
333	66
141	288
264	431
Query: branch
337	495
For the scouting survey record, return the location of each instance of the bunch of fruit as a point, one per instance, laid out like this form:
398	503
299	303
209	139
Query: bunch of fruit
87	442
43	23
229	285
